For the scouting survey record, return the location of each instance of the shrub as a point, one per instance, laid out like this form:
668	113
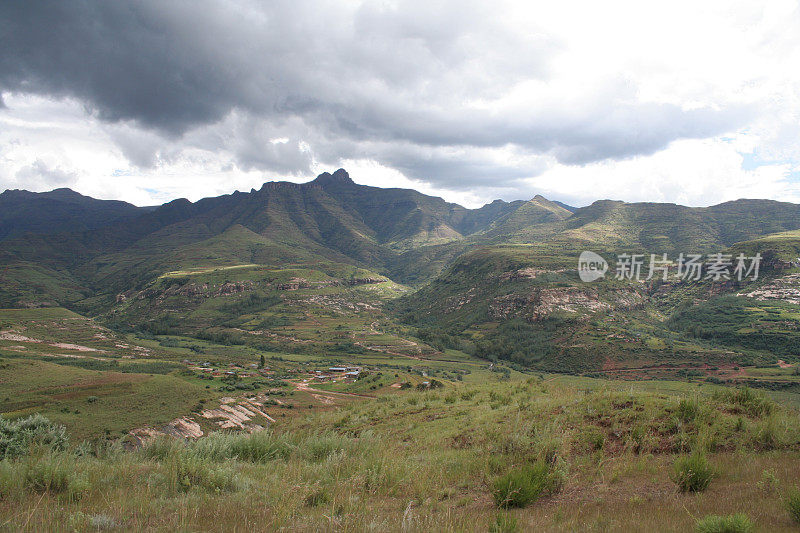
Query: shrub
792	504
18	437
525	485
735	523
692	473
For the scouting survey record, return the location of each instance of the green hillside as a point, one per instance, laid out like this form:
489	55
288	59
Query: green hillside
309	268
61	210
333	356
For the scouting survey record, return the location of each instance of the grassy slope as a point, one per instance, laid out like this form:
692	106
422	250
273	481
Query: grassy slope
422	460
92	403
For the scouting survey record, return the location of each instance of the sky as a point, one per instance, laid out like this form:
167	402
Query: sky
689	102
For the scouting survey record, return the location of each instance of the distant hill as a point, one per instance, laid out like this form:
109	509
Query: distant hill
498	281
328	219
58	211
114	246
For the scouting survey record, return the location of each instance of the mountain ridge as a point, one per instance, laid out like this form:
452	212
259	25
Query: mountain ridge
293	252
399	232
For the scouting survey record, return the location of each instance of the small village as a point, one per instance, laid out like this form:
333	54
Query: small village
253	370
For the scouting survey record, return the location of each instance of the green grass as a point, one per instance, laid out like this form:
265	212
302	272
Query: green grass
693	473
442	459
524	485
792	504
735	523
123	401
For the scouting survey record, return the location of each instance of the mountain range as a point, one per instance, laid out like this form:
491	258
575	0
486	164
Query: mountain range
455	275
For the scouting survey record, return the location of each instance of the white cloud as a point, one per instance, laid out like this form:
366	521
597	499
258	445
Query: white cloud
575	100
689	172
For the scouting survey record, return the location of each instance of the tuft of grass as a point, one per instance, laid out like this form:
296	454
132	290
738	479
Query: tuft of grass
753	403
688	409
792	504
9	479
769	482
55	474
524	485
258	447
317	498
320	447
504	523
767	433
594	439
102	522
735	523
185	472
692	473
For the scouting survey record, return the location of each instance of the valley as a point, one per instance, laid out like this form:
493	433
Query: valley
334	356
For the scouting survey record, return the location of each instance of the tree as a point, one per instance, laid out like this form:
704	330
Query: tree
263	362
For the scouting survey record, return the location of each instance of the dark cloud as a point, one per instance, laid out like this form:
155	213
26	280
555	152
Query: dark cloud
331	81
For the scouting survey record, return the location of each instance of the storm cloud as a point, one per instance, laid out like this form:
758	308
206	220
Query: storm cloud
423	87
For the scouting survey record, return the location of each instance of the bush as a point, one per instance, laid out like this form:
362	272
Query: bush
692	473
19	437
525	485
792	504
735	523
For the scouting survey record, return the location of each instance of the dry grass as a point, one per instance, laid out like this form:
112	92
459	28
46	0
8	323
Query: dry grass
431	464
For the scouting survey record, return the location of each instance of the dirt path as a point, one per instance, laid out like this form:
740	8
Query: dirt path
312	319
